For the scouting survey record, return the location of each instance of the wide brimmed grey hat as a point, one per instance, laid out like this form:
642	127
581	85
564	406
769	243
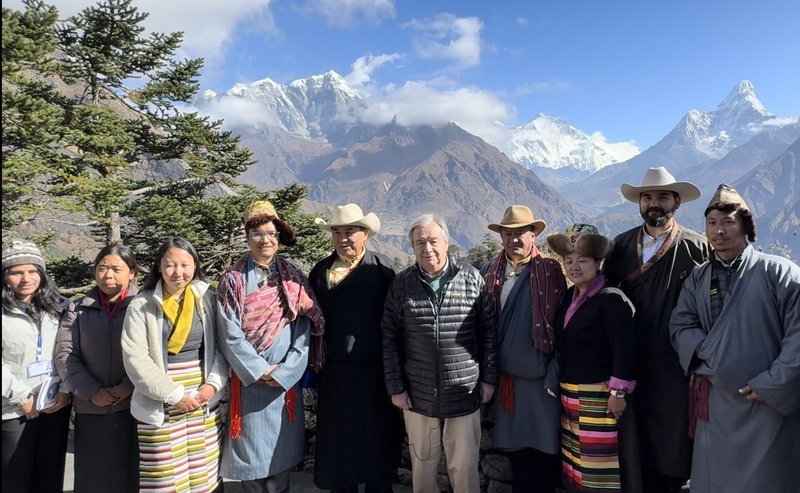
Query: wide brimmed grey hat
351	215
660	179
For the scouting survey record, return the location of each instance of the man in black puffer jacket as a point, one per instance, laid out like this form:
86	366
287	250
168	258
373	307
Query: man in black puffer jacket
439	357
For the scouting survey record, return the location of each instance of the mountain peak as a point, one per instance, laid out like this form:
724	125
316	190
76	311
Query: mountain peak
742	98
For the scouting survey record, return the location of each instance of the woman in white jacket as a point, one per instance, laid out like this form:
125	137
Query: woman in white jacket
34	438
172	359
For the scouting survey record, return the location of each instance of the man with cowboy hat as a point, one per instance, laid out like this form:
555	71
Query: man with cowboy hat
649	264
737	332
526	287
359	431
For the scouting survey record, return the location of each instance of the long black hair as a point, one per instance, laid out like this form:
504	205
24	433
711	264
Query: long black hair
154	276
45	299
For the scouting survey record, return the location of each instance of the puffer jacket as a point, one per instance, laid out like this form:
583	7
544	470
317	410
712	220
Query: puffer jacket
88	352
439	350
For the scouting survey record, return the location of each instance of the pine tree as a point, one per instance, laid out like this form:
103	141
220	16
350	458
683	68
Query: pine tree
33	114
91	108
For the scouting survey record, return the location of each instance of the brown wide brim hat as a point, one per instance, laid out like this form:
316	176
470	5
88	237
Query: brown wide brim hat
660	179
586	244
519	216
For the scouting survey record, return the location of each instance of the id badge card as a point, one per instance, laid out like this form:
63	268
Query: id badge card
39	368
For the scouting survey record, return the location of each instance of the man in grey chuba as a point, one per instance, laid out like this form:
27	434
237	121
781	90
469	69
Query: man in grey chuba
439	342
737	331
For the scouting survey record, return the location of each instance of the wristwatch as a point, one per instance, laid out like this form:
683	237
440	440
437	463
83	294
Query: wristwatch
620	394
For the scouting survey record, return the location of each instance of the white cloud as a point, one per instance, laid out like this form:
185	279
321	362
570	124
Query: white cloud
522	21
207	25
238	112
540	87
363	67
622	151
346	13
780	121
449	37
428	102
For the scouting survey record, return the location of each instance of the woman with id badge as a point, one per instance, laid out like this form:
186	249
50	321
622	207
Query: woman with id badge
35	428
172	359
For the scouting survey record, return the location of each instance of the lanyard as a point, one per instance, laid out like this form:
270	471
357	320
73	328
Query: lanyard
39	346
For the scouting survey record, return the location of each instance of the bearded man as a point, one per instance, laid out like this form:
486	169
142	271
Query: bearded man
649	263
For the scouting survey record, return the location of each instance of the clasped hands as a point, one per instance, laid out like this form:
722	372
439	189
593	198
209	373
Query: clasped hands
197	399
108	396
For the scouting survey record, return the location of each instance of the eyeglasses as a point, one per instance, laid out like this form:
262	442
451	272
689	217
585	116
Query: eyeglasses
263	235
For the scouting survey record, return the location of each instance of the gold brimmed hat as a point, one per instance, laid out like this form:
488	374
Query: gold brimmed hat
518	216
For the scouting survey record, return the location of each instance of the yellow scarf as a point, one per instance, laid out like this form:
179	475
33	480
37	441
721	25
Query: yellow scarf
180	313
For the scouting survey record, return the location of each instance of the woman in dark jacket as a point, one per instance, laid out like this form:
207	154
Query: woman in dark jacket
89	359
595	344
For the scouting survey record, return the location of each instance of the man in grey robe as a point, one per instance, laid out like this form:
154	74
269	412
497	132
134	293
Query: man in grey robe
737	332
526	287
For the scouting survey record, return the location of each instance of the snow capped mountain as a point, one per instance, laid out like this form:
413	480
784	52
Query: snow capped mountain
316	107
551	142
713	134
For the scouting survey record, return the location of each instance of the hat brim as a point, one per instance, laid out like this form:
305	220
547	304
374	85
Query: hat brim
538	226
370	222
687	191
587	244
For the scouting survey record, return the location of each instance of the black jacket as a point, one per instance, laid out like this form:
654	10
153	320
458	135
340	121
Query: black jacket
438	350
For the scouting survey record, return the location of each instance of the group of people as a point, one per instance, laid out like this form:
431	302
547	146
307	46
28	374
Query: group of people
671	355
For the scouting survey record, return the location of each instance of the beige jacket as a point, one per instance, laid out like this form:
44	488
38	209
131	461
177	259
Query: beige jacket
144	354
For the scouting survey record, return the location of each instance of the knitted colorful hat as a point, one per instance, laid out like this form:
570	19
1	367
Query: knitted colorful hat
22	252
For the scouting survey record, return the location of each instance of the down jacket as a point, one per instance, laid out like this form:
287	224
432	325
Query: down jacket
439	350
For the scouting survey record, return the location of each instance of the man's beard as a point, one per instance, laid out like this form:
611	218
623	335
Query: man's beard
659	221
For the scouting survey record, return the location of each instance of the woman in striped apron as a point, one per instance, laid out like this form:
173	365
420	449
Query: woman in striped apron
172	359
595	344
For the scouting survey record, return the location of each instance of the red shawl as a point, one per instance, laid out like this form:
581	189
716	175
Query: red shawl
264	313
547	288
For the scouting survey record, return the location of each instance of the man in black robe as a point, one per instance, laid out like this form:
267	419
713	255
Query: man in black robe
359	431
649	263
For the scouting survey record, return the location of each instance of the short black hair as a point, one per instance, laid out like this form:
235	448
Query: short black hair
747	217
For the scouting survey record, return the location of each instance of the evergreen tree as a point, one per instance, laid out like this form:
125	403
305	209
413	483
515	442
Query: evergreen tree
483	252
93	125
33	114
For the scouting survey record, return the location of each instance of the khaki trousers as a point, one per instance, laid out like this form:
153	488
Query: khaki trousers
460	437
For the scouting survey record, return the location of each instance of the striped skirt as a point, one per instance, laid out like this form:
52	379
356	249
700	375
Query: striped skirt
182	455
590	458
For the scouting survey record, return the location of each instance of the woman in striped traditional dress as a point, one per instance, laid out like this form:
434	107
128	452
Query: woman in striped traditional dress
595	344
268	321
172	359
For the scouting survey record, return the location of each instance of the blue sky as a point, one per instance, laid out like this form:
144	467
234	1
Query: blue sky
627	69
